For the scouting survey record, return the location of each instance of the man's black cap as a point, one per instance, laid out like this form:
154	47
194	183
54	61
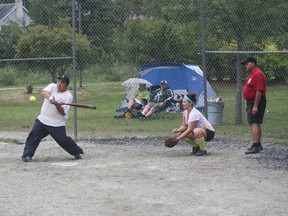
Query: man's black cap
249	59
164	82
65	79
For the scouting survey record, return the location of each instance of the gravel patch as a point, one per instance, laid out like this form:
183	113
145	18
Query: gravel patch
140	176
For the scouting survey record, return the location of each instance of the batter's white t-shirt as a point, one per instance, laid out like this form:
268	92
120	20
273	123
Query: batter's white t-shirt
196	115
49	114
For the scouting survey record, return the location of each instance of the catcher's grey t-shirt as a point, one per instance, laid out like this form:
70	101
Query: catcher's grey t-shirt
196	115
49	114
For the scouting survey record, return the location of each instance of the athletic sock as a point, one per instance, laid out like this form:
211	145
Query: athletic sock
191	142
201	143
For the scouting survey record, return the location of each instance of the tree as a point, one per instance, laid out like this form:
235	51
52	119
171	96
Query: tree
150	31
124	10
178	11
9	35
47	13
249	24
41	41
156	41
98	23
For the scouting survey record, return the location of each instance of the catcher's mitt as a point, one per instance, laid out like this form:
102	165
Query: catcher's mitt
171	142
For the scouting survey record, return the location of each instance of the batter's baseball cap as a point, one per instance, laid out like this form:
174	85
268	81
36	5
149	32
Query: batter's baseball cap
164	82
64	78
249	59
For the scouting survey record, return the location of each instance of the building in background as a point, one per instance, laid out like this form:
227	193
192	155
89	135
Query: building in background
11	13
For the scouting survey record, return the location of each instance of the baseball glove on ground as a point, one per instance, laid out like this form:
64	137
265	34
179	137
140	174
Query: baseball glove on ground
171	142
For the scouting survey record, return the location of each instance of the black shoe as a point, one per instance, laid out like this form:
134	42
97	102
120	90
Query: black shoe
27	159
77	157
195	150
144	118
251	147
141	115
260	147
255	145
254	149
201	153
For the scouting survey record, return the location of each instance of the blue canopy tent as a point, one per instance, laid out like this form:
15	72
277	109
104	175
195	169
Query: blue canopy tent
181	78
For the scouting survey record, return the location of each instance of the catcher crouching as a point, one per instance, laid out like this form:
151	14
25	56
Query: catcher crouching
195	128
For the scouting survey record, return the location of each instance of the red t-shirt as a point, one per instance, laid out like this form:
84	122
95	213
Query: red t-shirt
255	81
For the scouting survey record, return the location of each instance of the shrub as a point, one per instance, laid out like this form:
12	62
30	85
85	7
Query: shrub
8	76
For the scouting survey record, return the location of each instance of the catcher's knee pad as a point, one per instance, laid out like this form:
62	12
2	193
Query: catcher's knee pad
191	142
201	143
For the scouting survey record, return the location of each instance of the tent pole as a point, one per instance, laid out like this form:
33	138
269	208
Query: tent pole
203	57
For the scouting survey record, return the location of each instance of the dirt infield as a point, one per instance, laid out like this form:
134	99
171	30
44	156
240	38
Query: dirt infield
143	177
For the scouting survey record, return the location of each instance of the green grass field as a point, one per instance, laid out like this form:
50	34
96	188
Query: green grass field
18	114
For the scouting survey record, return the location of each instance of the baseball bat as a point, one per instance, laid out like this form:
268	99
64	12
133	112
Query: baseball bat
80	105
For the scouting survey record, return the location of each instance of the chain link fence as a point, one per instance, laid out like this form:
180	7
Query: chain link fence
113	39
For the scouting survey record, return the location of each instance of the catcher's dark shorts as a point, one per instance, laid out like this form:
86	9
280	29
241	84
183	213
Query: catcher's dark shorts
258	118
210	135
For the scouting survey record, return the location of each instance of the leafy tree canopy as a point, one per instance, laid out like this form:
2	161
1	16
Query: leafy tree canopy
42	41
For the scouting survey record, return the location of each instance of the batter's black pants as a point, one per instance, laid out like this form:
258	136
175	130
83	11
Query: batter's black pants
40	130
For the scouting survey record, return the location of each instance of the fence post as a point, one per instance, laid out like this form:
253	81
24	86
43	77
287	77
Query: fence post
203	57
74	66
238	104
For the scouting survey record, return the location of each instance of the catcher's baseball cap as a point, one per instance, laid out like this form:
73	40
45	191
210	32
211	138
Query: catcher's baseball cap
164	82
249	59
64	78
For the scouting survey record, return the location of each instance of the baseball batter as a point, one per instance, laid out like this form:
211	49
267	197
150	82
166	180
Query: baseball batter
52	120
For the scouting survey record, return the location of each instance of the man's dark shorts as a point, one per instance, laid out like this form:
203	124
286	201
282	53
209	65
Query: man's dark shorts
258	118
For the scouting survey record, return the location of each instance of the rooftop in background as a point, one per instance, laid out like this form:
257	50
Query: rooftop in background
8	14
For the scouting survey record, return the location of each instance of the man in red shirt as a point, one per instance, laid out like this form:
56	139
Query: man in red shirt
254	92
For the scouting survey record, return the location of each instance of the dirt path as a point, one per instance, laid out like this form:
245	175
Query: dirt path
143	177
